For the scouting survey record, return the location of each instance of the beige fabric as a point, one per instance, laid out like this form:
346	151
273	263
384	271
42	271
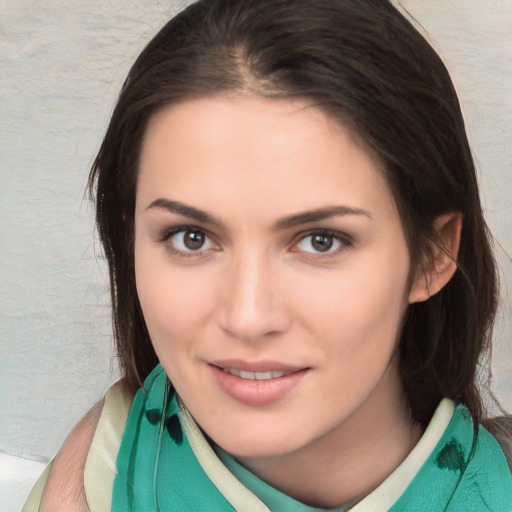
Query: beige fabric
100	466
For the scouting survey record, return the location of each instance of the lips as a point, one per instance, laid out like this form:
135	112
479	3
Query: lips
257	383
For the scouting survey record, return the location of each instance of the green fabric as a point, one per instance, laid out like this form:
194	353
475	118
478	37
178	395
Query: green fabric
181	484
465	472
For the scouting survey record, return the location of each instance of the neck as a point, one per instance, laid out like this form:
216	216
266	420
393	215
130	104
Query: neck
343	466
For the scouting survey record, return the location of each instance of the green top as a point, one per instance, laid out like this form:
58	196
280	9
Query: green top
165	463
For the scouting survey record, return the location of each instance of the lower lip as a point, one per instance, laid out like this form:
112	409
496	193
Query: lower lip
256	392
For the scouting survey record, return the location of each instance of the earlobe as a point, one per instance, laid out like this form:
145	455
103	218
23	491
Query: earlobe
442	263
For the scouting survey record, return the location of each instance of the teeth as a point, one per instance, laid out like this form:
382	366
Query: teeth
263	375
255	375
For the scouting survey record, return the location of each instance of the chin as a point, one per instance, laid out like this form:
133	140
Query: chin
262	442
259	450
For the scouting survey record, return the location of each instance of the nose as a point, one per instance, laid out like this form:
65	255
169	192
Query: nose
252	306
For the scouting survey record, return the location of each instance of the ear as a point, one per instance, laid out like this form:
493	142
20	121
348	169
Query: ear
442	263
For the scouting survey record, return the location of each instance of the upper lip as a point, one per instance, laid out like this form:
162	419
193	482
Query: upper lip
256	366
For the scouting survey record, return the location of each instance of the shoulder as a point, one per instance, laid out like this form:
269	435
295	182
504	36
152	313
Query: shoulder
82	474
64	488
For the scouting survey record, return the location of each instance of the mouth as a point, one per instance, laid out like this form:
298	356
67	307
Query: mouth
256	370
273	374
259	383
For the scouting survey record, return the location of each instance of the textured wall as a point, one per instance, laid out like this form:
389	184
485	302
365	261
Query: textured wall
61	65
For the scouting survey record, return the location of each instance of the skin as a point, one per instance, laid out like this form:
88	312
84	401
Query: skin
64	489
259	290
260	287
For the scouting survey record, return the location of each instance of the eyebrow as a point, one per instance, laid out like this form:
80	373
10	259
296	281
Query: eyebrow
281	224
317	215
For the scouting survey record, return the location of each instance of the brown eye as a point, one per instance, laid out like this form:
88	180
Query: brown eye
188	241
193	240
322	243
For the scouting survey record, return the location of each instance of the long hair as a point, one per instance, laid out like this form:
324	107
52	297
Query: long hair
365	65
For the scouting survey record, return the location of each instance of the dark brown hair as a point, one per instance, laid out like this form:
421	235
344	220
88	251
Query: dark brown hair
363	63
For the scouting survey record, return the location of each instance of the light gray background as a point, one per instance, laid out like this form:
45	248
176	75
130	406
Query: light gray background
61	67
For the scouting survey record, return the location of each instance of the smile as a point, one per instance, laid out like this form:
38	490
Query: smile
256	384
255	375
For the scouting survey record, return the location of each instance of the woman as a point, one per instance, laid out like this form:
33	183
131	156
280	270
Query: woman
301	275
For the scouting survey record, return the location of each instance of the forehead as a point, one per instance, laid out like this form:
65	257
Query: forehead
228	150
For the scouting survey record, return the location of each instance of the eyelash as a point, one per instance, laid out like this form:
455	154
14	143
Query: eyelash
165	239
345	241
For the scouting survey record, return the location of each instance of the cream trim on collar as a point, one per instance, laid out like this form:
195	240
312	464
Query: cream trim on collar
379	500
240	498
386	495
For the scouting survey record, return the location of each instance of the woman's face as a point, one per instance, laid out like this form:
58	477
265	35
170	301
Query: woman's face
272	271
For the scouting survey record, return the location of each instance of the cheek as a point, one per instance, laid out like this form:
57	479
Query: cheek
174	300
361	304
